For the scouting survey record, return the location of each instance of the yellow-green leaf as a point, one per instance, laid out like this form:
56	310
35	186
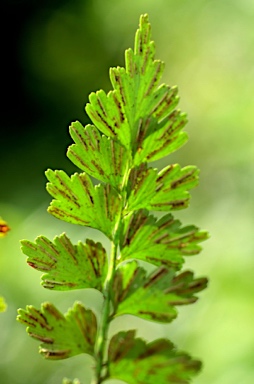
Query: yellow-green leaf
61	336
67	266
78	201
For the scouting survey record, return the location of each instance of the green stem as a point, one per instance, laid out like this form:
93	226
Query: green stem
101	365
104	323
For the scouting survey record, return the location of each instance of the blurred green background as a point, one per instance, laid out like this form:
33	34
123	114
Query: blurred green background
53	55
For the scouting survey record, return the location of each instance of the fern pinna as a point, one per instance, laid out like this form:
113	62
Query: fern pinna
134	124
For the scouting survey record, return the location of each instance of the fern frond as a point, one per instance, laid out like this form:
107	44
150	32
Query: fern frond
135	123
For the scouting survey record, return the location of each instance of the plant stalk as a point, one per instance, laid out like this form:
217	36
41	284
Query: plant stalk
104	323
102	366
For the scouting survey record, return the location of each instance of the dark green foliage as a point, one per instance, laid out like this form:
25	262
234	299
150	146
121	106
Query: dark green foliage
155	296
159	241
134	124
133	360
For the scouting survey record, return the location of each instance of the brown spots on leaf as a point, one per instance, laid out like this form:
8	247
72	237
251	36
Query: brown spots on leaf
98	117
185	178
137	220
156	316
121	344
157	346
142	131
26	321
35	317
49	284
183	301
88	326
138	177
66	215
165	172
176	204
127	290
160	149
52	311
79	138
159	240
155	276
68	247
158	64
46	340
162	261
185	286
166	104
65	188
78	160
87	186
129	59
37	264
96	256
119	110
100	104
146	59
106	194
55	354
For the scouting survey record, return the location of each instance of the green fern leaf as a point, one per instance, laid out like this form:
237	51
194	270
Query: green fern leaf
98	155
173	184
161	191
107	113
67	266
166	137
137	362
158	241
79	202
155	296
137	107
62	336
141	187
